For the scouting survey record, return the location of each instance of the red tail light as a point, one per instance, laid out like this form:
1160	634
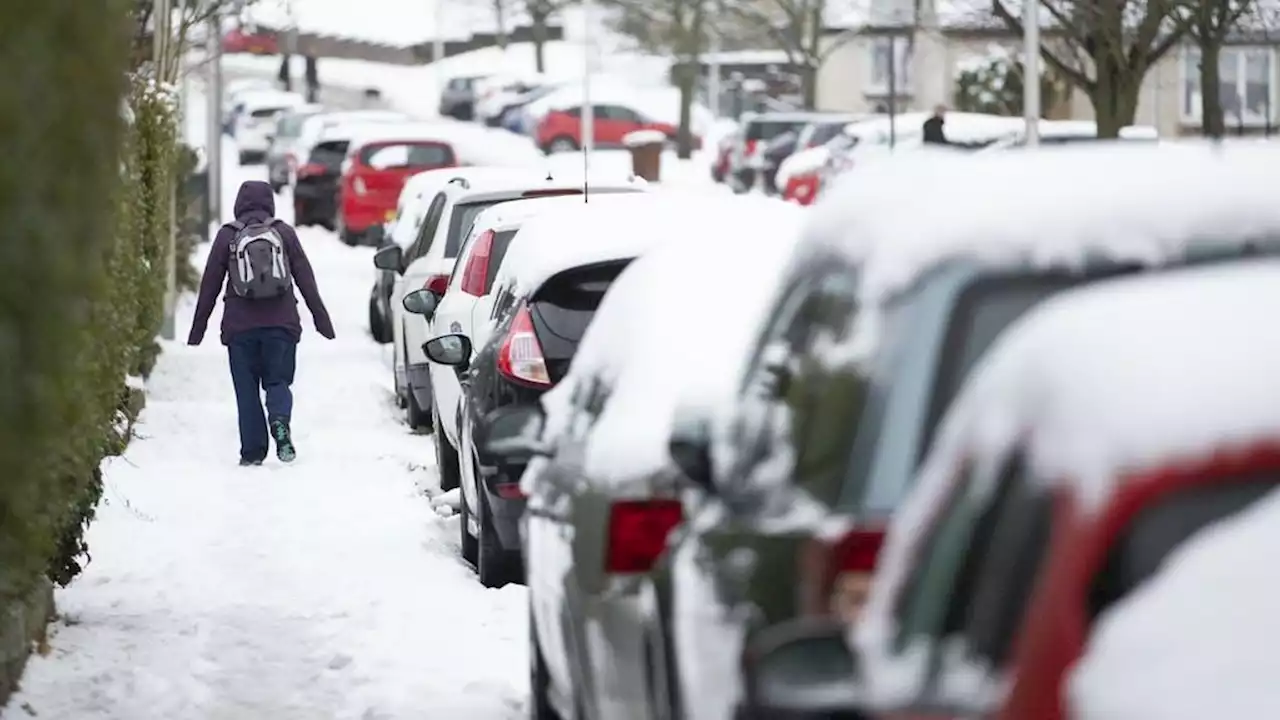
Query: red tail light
311	169
436	284
520	358
638	532
836	576
509	491
476	274
751	146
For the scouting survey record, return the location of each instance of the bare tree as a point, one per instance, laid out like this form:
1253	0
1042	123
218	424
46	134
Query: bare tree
540	13
677	27
1104	48
794	26
1208	23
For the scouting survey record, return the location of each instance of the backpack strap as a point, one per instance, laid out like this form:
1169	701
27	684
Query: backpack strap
235	225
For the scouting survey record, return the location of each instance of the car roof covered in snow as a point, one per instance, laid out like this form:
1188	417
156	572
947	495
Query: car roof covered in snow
490	187
1056	207
676	327
1198	639
1098	383
474	144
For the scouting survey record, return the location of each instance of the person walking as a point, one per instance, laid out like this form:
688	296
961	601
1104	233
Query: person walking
260	260
933	127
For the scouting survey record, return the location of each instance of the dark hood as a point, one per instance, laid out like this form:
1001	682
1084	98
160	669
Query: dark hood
255	199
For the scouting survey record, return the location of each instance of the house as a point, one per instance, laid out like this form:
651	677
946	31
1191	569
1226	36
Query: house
857	72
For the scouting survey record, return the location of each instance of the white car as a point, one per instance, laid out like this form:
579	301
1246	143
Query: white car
255	120
429	260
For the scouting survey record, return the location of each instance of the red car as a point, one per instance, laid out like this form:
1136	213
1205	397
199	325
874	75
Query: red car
241	40
373	175
561	130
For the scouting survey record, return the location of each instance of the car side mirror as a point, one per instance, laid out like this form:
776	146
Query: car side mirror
453	349
690	445
390	259
802	668
511	434
420	302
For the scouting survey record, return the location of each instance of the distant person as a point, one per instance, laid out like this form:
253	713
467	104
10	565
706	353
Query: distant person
261	260
933	130
312	80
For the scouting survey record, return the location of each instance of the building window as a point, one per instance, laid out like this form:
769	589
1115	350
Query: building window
882	48
1247	80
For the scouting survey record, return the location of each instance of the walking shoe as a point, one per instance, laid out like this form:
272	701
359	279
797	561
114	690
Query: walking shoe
246	462
284	443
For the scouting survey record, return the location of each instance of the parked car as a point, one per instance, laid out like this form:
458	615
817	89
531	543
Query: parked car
746	158
1066	481
233	90
561	130
282	152
528	279
458	98
512	118
318	179
316	126
883	313
498	95
430	260
255	120
603	493
249	39
375	169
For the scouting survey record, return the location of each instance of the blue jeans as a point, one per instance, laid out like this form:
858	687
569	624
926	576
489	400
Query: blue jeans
262	360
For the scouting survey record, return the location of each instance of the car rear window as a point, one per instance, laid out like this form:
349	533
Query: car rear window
563	308
769	129
497	251
265	112
329	154
825	132
1162	527
395	155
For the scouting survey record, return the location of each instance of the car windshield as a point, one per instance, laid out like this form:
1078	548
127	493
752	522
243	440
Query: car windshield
389	156
291	125
769	129
329	154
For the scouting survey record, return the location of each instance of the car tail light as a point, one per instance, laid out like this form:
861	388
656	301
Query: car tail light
509	491
476	273
836	576
311	169
638	532
359	186
751	147
436	284
520	358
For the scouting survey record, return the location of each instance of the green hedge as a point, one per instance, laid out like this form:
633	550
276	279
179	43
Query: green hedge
85	202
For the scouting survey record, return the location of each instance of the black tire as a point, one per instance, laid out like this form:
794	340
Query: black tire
377	327
561	143
496	566
468	543
416	416
539	707
348	238
446	456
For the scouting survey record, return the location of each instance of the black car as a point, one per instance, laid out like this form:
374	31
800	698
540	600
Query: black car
315	196
535	336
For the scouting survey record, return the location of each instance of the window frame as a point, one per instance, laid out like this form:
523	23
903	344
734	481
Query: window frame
1189	98
878	72
426	233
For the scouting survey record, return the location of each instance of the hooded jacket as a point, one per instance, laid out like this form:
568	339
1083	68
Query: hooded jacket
256	203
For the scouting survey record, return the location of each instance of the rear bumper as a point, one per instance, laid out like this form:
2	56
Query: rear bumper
505	512
360	215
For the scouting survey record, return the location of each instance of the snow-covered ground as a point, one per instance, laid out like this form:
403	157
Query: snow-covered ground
329	589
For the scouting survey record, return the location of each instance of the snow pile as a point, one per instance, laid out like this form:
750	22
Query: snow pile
809	160
1083	383
1196	641
676	326
1054	207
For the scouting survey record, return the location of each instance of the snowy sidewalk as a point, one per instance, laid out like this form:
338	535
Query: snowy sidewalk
329	589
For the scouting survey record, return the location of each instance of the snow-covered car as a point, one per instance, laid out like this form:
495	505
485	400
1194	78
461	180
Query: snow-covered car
603	491
530	276
314	127
282	152
883	313
496	95
1067	484
458	97
316	180
429	261
255	120
746	159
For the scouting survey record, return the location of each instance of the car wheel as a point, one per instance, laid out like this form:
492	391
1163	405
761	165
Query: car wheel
495	565
446	456
564	143
347	237
377	327
539	706
466	539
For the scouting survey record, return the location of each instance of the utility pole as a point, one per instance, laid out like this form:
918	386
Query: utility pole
1031	70
162	36
213	96
713	76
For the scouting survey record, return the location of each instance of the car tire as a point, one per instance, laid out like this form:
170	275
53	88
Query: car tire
446	456
560	144
417	417
539	706
377	327
466	540
348	238
496	566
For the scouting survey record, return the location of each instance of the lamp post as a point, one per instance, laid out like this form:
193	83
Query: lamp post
1031	70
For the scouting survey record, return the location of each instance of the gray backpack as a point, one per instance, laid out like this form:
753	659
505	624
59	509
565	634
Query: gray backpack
259	267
